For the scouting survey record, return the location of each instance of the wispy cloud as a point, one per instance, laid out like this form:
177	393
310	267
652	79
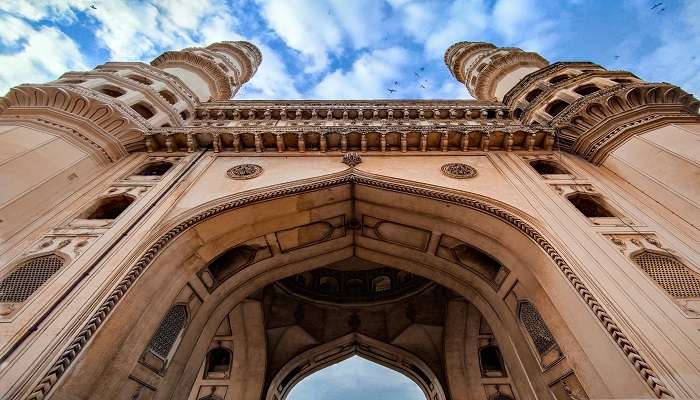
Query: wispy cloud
342	49
29	61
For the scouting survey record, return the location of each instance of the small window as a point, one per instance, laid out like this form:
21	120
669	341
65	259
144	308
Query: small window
328	285
542	337
586	89
555	107
108	207
491	362
169	97
218	363
28	277
381	284
621	80
184	115
168	332
590	206
111	91
231	261
531	96
679	281
140	79
477	260
544	167
144	110
558	79
518	113
158	168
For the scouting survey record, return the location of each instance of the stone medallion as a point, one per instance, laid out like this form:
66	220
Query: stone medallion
244	171
352	159
458	171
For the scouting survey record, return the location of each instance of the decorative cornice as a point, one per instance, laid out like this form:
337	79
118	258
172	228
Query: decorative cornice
460	51
541	75
156	74
42	389
218	78
594	122
249	66
485	82
108	117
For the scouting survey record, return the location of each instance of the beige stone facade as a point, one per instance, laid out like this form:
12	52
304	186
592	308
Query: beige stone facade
160	241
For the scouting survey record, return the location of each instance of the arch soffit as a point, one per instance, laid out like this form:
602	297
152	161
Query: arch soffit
363	179
342	348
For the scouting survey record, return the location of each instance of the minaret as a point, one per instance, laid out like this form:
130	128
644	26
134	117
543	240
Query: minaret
610	118
215	72
489	72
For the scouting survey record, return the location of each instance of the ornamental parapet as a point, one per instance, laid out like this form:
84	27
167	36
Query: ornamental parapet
595	124
334	138
357	111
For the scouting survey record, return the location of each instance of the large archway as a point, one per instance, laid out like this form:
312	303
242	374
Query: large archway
414	228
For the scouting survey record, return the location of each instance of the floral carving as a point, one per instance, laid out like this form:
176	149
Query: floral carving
244	171
458	171
352	159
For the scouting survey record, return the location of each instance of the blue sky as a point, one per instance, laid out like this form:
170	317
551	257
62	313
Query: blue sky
356	379
351	49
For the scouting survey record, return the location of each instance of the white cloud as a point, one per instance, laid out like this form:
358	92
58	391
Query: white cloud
43	53
271	81
369	76
316	29
675	59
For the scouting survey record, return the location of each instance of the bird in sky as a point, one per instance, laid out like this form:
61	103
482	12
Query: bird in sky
391	90
656	5
616	57
396	83
417	74
661	10
422	69
422	87
93	7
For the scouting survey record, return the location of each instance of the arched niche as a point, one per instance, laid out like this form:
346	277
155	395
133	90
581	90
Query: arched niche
320	357
541	272
108	207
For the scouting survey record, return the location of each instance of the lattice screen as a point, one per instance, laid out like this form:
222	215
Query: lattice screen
168	331
535	326
25	280
675	278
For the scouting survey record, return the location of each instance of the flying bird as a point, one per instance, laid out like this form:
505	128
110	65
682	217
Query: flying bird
396	83
422	69
416	73
656	5
616	57
422	87
93	7
391	90
661	10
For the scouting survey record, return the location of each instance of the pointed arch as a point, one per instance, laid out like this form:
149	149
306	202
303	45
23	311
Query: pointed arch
320	357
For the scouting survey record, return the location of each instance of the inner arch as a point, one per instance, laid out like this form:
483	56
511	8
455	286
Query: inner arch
356	378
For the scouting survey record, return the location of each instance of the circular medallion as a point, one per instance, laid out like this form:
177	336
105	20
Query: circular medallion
244	171
458	171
